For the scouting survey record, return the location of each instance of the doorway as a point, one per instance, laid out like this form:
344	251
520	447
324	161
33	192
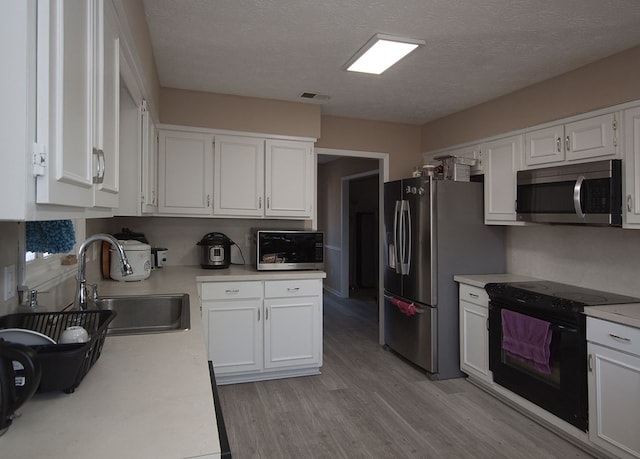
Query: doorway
352	226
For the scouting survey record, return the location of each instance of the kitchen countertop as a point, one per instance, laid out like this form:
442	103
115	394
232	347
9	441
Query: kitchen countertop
625	314
147	396
480	280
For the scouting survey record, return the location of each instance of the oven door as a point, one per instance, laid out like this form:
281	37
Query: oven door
560	389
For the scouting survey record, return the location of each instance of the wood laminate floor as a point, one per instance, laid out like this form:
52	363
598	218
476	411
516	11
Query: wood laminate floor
368	403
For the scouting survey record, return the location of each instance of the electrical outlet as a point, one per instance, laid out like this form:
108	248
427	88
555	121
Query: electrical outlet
9	282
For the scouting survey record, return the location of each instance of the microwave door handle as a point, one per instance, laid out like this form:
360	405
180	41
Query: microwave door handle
577	189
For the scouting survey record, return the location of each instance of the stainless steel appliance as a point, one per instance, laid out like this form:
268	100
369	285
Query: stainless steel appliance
215	251
288	250
557	382
586	193
433	230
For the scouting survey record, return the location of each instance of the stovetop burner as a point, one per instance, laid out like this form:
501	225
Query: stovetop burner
554	295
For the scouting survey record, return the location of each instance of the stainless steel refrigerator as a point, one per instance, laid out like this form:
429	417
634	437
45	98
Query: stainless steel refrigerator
433	230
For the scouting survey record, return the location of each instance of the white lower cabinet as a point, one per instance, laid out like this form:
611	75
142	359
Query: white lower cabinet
261	330
614	387
631	198
474	335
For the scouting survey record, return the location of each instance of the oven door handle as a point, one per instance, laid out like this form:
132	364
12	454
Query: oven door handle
563	329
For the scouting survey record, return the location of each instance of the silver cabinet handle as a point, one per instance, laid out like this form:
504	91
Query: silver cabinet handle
620	338
567	143
208	200
266	313
260	203
268	202
590	363
258	315
293	289
100	166
232	291
474	295
576	196
558	144
629	202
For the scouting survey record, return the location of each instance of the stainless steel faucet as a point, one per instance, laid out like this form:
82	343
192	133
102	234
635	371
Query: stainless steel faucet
81	300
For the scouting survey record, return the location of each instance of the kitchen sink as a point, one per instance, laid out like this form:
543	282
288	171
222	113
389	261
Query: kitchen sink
147	313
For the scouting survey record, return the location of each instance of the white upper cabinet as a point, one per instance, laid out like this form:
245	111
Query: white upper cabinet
583	140
239	176
631	197
257	178
544	146
76	155
107	97
149	173
502	159
289	178
185	173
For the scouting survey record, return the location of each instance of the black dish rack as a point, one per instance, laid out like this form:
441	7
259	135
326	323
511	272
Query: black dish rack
64	365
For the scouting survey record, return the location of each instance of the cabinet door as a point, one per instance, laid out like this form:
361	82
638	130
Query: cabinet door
502	159
292	331
107	97
289	178
591	138
632	168
65	41
149	171
474	340
544	146
185	172
614	404
239	176
235	335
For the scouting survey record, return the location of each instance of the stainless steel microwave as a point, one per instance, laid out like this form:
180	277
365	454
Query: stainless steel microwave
585	193
288	250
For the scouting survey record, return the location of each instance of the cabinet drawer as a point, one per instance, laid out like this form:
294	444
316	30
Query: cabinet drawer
231	290
474	295
613	335
286	288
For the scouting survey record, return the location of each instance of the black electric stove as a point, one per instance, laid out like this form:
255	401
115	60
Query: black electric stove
548	295
561	387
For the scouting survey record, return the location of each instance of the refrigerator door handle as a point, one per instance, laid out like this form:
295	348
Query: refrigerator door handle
394	256
405	237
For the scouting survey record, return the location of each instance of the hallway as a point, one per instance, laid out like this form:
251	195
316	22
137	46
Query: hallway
369	404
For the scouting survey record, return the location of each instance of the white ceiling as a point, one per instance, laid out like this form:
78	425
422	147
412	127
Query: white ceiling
475	50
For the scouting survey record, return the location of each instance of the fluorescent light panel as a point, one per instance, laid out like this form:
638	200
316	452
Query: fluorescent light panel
381	52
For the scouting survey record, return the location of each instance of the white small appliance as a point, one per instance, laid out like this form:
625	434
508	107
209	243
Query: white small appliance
139	256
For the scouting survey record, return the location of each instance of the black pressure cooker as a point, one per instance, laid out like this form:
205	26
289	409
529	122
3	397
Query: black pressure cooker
215	251
20	376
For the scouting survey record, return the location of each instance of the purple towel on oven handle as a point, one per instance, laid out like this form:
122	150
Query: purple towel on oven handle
527	338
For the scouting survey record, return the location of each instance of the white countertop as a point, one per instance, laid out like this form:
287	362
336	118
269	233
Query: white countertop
147	396
626	314
246	272
480	280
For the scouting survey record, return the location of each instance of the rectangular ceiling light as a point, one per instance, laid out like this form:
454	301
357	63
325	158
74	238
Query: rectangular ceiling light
381	52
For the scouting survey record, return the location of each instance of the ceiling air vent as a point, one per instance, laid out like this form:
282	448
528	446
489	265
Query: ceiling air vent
315	96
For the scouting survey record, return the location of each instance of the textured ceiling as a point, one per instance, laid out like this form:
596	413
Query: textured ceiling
475	50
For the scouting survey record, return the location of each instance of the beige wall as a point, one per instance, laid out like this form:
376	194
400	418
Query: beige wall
221	111
400	141
134	10
607	82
